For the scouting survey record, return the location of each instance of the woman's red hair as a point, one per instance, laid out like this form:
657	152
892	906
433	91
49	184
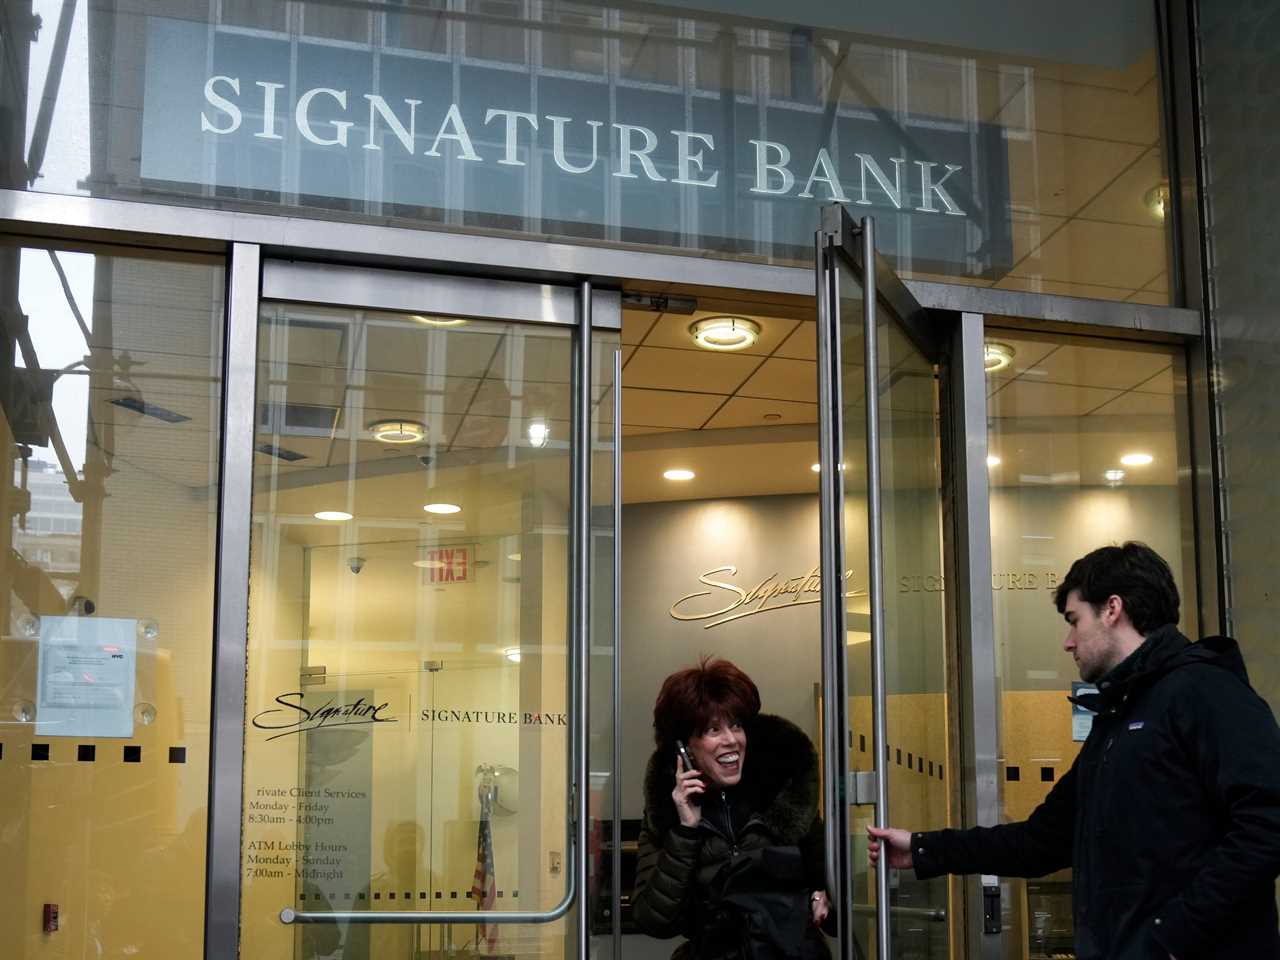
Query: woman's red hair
691	699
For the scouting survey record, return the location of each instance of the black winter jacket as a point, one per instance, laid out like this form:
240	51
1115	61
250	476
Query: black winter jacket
1170	815
681	870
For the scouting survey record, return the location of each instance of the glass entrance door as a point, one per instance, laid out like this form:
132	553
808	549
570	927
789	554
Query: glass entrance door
414	749
886	745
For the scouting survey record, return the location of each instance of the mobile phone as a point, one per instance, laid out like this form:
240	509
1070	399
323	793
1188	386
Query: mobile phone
684	755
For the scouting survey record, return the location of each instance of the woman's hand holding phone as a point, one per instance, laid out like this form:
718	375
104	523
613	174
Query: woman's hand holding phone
688	793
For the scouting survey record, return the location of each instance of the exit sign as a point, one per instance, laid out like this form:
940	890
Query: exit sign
448	564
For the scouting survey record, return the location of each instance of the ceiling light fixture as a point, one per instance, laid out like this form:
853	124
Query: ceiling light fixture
1113	476
138	405
1157	200
514	557
1136	459
512	654
725	333
816	468
993	460
539	433
280	453
437	321
398	431
996	356
442	508
678	474
332	515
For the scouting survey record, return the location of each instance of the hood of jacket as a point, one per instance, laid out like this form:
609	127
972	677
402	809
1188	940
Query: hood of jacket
1163	650
779	778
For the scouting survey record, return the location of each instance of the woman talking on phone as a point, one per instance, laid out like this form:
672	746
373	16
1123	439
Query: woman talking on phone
731	847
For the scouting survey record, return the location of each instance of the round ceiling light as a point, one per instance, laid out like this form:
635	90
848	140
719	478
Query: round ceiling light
1113	476
993	460
539	433
816	468
437	321
678	475
398	431
512	654
996	356
725	333
332	515
442	508
1136	459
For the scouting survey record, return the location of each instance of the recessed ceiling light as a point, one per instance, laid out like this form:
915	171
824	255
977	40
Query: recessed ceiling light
678	474
1113	476
512	654
993	460
332	515
514	556
442	508
398	431
725	333
437	321
816	468
539	433
996	356
1136	459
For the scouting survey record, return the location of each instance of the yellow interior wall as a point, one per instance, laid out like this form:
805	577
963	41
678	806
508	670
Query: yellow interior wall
120	847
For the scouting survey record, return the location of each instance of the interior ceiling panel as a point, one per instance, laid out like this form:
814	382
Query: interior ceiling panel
782	379
688	370
667	408
751	412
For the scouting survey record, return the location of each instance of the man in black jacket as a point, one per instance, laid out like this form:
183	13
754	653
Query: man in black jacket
1170	815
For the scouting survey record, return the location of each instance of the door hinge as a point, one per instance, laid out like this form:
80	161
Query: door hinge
862	787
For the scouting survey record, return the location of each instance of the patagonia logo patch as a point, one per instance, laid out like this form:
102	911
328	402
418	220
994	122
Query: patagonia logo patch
1137	725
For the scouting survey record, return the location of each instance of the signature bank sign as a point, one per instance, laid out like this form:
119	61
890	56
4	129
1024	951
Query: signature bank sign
415	135
294	713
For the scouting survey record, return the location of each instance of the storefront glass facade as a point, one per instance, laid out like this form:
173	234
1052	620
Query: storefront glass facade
314	312
1031	160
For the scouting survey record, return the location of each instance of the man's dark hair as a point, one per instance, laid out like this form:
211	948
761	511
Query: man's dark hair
1133	572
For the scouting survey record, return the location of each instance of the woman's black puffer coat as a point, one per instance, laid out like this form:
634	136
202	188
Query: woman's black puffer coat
683	872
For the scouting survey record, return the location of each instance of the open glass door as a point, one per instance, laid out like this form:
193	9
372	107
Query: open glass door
886	749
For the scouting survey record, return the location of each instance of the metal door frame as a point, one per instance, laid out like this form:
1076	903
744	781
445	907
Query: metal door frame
251	280
954	342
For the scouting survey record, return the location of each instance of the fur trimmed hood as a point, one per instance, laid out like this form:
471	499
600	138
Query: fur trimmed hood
779	778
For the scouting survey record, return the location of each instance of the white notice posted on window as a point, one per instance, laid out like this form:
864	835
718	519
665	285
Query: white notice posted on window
87	669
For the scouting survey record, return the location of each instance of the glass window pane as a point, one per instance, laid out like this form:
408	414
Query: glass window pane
408	631
1027	160
110	398
1065	414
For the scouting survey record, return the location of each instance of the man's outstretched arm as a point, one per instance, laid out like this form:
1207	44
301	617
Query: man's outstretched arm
1031	848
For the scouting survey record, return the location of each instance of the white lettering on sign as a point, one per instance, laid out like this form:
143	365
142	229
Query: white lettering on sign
319	114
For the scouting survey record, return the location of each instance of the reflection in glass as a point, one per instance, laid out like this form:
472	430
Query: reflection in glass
110	398
1064	413
1032	166
407	744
